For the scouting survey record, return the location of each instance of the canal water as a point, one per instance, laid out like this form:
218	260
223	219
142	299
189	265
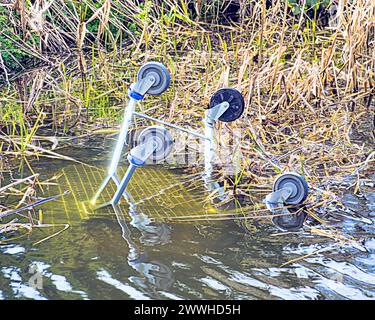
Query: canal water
139	252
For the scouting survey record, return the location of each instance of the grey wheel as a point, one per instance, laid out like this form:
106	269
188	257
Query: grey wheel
296	183
159	72
163	139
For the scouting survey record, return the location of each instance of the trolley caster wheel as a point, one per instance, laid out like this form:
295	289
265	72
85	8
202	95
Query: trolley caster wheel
235	100
296	183
159	72
163	139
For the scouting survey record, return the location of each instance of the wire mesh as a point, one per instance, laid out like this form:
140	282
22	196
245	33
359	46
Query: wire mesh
156	191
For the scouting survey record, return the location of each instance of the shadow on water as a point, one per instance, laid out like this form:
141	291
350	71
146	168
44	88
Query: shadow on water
123	253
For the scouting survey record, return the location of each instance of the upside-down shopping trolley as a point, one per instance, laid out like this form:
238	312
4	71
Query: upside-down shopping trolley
227	105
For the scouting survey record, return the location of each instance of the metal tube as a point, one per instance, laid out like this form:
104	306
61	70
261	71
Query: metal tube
209	145
129	111
142	115
211	116
112	169
123	184
117	181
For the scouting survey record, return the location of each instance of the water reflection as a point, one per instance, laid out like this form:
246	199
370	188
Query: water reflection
287	218
153	271
151	233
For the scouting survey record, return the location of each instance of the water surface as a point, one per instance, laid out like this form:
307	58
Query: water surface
104	256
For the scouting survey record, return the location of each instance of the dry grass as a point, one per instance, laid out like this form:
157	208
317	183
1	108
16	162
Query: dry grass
24	218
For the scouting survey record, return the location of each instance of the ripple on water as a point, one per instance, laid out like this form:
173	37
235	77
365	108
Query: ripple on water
370	197
12	249
214	284
290	293
344	268
132	292
60	282
341	280
21	289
